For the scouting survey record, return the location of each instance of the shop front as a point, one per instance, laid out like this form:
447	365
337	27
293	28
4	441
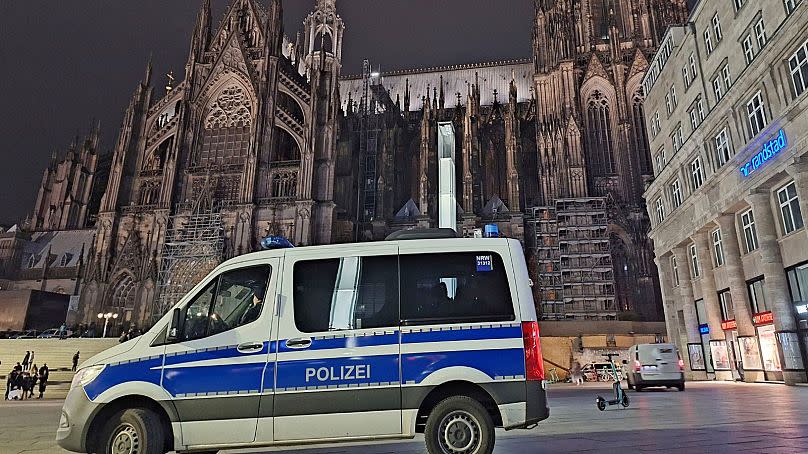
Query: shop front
764	326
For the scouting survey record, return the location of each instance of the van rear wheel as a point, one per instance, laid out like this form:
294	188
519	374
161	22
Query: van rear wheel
459	425
133	431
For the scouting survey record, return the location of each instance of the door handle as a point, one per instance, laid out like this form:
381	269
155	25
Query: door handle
299	343
250	347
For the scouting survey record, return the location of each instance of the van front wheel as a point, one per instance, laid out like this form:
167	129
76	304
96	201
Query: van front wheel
133	431
459	425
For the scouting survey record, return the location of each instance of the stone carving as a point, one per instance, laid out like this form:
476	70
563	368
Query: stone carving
232	108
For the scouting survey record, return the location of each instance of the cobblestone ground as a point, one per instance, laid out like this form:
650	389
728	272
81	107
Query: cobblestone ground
706	418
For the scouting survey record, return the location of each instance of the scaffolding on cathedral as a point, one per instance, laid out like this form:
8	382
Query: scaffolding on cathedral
193	247
573	258
369	131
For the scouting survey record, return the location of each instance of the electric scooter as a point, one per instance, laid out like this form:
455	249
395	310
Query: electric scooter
620	397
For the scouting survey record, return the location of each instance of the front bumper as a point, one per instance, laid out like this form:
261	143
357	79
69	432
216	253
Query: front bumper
77	414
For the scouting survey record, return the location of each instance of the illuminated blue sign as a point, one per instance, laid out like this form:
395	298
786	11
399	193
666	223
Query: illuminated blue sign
704	329
770	149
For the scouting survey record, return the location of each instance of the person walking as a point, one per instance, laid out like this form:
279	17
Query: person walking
75	361
25	359
44	372
34	373
31	359
577	373
25	384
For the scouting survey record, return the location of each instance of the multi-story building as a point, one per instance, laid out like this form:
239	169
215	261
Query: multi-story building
726	113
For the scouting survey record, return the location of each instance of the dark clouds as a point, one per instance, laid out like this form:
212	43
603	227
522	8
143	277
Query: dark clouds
63	63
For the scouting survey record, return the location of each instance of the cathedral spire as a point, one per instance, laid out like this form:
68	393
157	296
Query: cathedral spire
148	74
326	5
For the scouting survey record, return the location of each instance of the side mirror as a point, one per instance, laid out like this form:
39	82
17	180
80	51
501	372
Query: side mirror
174	328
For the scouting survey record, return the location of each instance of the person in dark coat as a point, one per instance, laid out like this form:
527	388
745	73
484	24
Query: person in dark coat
25	384
25	360
11	381
75	361
44	372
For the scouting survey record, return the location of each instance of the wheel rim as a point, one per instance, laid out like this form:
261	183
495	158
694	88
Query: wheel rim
125	440
459	433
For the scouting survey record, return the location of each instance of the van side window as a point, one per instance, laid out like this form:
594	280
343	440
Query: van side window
454	287
346	293
239	299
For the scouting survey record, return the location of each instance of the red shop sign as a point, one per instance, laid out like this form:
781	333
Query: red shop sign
728	325
763	318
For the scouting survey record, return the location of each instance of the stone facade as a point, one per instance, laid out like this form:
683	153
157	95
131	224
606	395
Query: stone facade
268	134
726	114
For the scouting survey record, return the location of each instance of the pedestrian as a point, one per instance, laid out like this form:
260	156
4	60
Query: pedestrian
18	368
25	384
25	359
31	359
577	373
44	372
34	373
63	331
624	370
75	361
10	381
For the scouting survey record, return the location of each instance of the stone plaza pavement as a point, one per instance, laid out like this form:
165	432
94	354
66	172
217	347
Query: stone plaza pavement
706	418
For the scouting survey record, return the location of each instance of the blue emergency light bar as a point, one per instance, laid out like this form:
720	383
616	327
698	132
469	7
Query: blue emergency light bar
275	242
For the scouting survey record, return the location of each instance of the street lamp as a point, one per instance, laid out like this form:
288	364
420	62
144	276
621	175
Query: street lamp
106	318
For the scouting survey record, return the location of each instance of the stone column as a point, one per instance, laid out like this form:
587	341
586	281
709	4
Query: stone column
689	310
733	268
669	300
775	281
718	341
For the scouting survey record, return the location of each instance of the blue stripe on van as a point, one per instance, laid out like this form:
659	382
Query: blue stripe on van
415	367
345	342
510	332
220	353
226	378
338	371
147	370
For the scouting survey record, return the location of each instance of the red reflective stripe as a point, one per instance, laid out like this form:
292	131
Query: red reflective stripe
534	362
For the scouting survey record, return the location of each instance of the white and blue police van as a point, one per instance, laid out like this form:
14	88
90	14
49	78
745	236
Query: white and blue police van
323	344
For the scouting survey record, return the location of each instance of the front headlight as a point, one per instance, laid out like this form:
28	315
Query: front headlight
86	375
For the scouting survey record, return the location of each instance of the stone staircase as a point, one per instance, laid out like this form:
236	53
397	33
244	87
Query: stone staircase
57	353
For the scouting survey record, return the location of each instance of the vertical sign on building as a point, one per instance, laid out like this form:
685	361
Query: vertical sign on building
447	205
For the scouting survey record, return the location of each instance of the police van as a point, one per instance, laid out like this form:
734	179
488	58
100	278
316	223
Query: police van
324	344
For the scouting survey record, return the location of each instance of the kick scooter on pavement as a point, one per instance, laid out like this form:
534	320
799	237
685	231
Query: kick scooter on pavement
620	397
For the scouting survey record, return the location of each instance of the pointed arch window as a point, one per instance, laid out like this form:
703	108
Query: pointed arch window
124	294
640	135
226	128
600	156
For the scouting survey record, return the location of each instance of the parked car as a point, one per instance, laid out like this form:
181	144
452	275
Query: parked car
28	334
655	365
54	332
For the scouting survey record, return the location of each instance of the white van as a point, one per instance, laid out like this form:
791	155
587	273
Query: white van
655	365
323	344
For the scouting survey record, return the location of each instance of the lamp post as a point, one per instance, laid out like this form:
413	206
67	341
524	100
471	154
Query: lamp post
106	318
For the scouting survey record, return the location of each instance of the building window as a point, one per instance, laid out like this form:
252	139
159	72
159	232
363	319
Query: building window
694	118
717	89
685	76
749	231
791	5
718	247
756	112
760	34
675	268
660	210
708	41
677	139
717	28
692	60
748	50
725	300
668	104
660	159
694	261
738	4
727	77
696	174
656	120
798	284
722	149
676	193
700	108
790	208
798	65
757	296
599	136
673	96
